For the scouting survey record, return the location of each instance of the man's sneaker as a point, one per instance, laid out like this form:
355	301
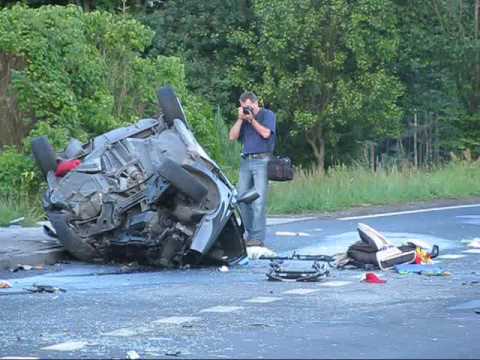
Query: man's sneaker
253	242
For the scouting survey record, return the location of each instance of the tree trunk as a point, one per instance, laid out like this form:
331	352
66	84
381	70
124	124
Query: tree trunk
315	139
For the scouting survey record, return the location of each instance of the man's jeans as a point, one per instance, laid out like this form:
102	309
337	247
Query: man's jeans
253	173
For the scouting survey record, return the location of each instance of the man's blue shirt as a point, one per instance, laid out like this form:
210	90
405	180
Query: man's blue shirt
252	141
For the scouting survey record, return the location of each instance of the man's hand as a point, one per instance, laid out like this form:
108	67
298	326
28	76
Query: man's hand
245	117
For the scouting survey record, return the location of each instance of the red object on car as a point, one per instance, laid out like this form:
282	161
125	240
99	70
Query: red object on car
66	166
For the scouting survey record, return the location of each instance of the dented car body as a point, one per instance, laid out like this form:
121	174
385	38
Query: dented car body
147	192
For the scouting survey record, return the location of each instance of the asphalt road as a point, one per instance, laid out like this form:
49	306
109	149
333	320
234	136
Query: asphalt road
108	311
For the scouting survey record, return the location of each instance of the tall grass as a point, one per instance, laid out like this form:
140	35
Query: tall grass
18	206
344	187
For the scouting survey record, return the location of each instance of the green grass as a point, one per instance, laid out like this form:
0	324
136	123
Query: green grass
20	206
344	187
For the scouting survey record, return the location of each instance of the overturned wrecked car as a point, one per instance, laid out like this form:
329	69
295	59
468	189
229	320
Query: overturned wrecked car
147	192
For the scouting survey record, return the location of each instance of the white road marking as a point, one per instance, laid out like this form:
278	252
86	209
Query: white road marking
176	320
300	291
291	233
222	309
125	332
409	212
19	358
451	256
278	221
335	283
471	251
263	299
67	346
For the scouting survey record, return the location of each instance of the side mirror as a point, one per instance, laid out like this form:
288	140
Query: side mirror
248	197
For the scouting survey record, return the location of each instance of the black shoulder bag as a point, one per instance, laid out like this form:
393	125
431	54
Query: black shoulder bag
280	168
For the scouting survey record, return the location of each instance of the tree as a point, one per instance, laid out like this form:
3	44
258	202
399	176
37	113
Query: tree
324	66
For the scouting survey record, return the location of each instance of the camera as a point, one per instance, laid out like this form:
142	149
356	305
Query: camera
247	110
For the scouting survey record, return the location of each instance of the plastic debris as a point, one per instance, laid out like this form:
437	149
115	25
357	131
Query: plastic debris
132	355
372	278
44	289
223	268
5	284
256	252
475	243
173	353
16	221
429	270
26	267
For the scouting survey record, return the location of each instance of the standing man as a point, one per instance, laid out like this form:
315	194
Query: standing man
255	128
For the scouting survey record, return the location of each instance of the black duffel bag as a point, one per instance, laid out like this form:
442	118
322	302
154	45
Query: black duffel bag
280	168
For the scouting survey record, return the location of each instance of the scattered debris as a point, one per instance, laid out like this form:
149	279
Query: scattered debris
475	243
429	270
223	268
474	282
17	221
374	249
372	278
290	233
173	353
4	284
44	289
26	267
47	230
298	270
258	252
133	355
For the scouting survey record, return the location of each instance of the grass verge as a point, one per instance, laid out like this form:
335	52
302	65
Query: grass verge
14	207
343	187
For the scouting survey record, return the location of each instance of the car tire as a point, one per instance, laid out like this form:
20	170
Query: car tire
44	155
182	180
170	105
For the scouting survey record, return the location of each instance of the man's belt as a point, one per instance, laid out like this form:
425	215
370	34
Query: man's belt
265	155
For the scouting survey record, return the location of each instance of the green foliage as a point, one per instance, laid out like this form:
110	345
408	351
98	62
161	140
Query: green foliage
17	173
198	32
323	64
85	75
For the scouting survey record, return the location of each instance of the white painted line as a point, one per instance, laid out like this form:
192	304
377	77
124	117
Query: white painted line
290	233
279	221
451	256
263	299
19	358
300	291
176	320
471	251
335	283
222	309
67	346
121	332
409	212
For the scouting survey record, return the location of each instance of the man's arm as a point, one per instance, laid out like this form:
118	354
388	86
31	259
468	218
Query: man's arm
262	130
235	130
